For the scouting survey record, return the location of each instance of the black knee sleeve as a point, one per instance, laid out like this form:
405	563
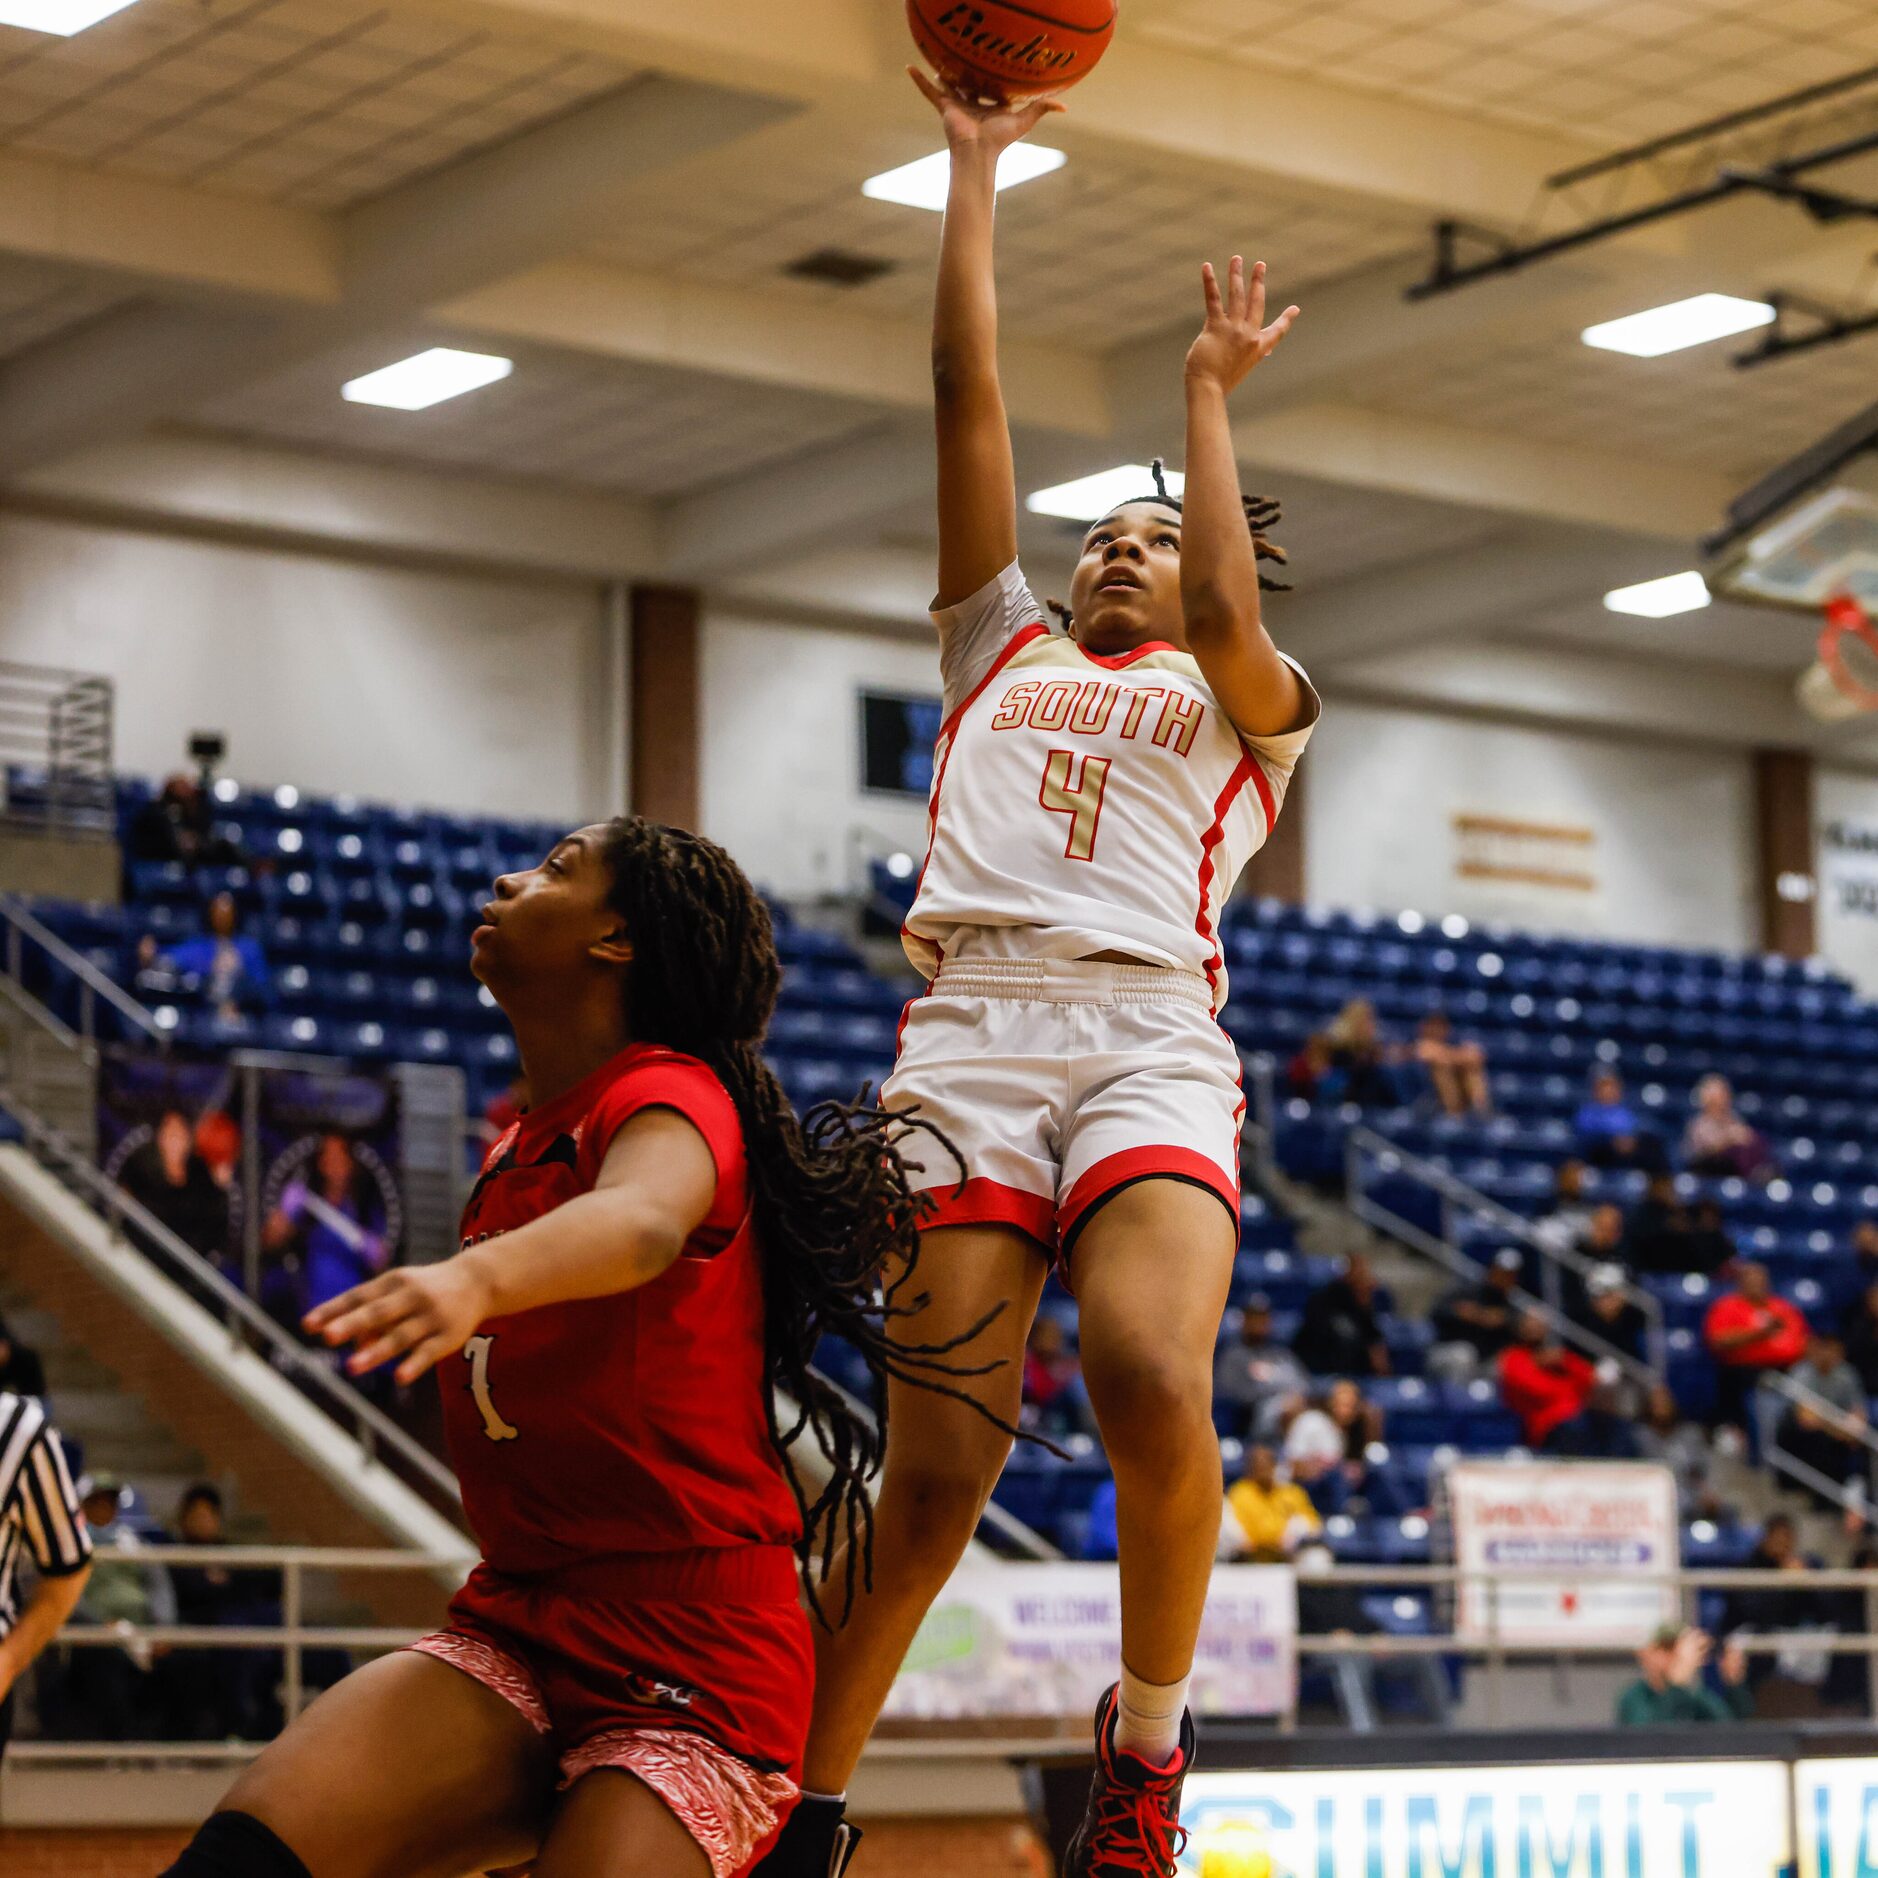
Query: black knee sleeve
236	1845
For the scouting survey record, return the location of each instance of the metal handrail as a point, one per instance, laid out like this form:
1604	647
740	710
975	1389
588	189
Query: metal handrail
93	983
1841	1493
367	1424
1363	1141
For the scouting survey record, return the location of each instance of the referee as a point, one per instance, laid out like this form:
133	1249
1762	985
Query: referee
39	1514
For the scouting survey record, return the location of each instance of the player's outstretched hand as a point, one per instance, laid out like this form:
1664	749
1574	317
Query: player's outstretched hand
421	1313
968	120
1235	337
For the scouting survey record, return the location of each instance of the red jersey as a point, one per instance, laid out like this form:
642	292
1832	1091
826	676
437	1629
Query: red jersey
634	1423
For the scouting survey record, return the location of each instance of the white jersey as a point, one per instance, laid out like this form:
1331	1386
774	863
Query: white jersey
1100	804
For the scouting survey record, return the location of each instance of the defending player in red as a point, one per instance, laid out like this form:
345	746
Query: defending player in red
1095	795
650	1253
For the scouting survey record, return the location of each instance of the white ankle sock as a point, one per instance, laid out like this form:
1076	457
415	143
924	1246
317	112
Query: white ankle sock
1147	1721
825	1799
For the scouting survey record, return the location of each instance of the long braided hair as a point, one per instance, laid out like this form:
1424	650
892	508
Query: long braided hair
836	1221
1261	513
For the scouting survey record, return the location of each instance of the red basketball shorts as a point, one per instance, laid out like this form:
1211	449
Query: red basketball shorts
691	1670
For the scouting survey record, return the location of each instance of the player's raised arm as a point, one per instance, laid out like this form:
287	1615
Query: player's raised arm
1220	553
977	481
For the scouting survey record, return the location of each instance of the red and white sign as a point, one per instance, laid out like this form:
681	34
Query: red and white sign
1578	1551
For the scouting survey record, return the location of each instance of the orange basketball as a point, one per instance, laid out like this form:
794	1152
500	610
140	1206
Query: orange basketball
1000	49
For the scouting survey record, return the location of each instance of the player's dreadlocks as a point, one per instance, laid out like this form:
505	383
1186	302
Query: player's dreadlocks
1261	513
832	1205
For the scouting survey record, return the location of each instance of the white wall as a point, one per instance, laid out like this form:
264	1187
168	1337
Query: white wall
1847	870
1673	853
780	767
433	689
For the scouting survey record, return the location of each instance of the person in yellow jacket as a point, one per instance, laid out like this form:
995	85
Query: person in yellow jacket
1274	1516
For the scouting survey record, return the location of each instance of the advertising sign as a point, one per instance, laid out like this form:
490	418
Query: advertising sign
1579	1549
1714	1819
1041	1640
1838	1817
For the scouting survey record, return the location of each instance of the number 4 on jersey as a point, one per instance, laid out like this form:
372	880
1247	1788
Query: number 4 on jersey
476	1355
1073	786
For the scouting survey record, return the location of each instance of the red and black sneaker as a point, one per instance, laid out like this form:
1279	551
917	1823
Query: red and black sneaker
1132	1827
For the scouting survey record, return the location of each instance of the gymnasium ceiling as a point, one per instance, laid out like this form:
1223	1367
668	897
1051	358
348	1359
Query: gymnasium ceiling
215	212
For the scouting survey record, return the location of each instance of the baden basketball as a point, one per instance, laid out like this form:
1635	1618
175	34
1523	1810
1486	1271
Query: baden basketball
1001	49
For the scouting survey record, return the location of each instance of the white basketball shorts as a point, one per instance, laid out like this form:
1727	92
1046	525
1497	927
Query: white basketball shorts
1060	1082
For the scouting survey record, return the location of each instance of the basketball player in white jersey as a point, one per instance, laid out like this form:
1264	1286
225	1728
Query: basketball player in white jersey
1095	794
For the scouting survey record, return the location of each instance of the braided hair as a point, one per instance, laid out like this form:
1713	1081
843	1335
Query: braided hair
833	1208
1261	513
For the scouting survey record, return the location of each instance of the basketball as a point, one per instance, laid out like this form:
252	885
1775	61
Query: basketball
996	49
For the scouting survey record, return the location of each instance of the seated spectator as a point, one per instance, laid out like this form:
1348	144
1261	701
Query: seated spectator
1826	1432
1717	1143
1339	1333
1055	1398
1858	1331
1360	1059
1474	1322
21	1372
1456	1071
217	1695
1604	1429
1569	1217
1608	1312
112	1694
330	1229
1658	1236
1865	1250
1750	1332
1254	1375
171	1180
1670	1692
1326	1447
1766	1609
227	970
1099	1537
1541	1381
1711	1247
1310	1069
1609	1131
1683	1446
1274	1515
178	825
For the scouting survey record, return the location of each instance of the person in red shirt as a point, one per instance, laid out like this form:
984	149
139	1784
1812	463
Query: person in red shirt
1749	1331
649	1256
1541	1381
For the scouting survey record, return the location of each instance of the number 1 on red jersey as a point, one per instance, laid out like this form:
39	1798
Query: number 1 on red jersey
1073	786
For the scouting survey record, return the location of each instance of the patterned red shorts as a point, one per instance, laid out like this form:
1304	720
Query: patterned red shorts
693	1673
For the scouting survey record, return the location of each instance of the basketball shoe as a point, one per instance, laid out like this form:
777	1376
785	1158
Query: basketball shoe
1132	1826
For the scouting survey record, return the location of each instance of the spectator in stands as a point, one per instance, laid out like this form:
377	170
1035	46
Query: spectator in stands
330	1228
1609	1312
226	968
1826	1431
1100	1540
1765	1608
1670	1691
1309	1071
1474	1322
1609	1131
1456	1070
1326	1447
178	825
1865	1250
1711	1247
1570	1217
1339	1333
1858	1331
1255	1376
1658	1236
1667	1435
1603	1429
1718	1143
21	1372
218	1694
1055	1398
1541	1381
169	1178
1361	1061
112	1693
1750	1332
1273	1515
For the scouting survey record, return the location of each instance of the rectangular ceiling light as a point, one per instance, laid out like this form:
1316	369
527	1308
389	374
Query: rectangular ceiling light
427	378
923	185
61	17
1659	599
1692	322
1090	496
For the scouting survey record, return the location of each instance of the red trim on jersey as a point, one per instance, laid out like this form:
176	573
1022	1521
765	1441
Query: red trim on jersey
1120	661
991	1203
1116	1170
1247	771
1014	645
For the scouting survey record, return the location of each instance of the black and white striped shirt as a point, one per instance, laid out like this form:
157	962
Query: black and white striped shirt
39	1509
